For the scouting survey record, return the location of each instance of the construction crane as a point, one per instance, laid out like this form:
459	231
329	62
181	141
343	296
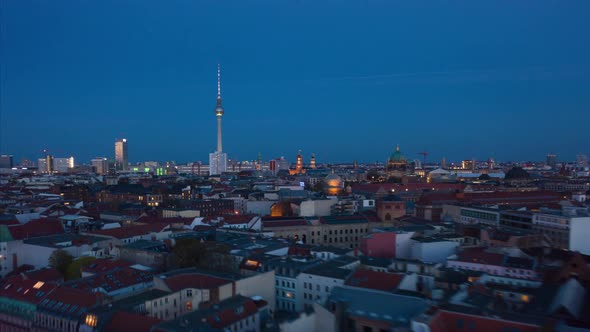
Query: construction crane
423	154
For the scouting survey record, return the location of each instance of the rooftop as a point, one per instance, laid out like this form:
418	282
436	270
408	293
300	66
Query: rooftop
382	281
63	240
218	316
193	280
394	309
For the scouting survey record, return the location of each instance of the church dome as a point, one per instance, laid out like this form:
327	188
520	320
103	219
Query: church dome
334	184
333	180
397	156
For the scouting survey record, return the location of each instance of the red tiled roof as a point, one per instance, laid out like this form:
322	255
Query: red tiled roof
194	280
374	280
226	317
113	280
12	221
82	298
25	289
237	219
299	251
447	321
36	228
125	322
480	256
46	274
104	265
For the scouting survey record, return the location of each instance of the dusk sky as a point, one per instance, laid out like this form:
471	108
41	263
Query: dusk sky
347	80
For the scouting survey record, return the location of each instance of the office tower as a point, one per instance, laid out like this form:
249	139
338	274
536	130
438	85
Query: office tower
491	163
468	165
5	161
49	164
100	165
121	155
62	165
582	160
551	160
218	159
42	165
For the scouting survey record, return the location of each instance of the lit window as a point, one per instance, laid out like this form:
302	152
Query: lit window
91	320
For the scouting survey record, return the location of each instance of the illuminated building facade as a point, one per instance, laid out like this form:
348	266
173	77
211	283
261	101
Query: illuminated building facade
397	165
121	155
62	165
333	184
298	165
312	161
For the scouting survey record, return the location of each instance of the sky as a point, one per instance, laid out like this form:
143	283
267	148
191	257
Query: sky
346	80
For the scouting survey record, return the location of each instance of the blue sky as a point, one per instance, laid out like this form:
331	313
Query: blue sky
347	80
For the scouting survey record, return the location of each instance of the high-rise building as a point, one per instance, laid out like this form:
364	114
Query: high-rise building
468	165
218	159
491	163
62	165
100	165
551	160
42	165
582	160
49	164
5	161
121	155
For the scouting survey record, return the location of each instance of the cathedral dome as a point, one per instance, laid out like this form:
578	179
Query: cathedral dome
397	156
333	180
334	184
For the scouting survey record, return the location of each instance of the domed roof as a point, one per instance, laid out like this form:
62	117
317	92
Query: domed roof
332	177
333	180
397	156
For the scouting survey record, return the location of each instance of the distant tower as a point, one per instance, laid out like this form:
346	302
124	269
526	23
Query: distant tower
582	160
298	165
259	162
443	163
312	161
6	161
121	155
551	160
219	109
49	164
218	159
491	163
